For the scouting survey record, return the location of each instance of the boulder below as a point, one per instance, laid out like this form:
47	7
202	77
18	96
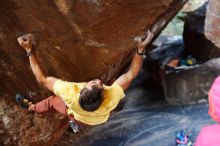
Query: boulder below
182	84
191	84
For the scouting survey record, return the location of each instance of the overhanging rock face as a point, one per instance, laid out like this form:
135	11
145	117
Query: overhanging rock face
76	41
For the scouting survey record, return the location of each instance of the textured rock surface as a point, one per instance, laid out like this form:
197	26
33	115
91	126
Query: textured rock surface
195	40
18	127
212	22
77	41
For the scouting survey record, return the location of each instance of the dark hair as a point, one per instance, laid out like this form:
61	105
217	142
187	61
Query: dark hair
90	100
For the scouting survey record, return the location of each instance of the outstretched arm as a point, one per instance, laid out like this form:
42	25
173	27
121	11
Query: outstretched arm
125	80
48	82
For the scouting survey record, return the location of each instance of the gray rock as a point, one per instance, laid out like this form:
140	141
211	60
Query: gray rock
190	84
183	84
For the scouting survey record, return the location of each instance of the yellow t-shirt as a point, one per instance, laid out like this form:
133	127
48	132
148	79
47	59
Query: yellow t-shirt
70	91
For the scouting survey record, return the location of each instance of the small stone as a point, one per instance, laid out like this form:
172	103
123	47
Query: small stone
202	101
58	47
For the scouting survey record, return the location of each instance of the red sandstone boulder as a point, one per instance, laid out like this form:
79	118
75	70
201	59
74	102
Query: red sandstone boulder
77	41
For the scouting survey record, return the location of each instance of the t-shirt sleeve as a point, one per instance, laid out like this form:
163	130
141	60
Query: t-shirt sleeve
67	90
118	91
62	88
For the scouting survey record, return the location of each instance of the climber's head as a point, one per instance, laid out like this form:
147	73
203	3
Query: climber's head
91	95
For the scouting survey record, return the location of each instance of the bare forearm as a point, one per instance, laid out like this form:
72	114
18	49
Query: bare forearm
40	76
136	65
46	81
125	80
137	61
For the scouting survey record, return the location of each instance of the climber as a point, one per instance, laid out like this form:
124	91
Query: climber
84	103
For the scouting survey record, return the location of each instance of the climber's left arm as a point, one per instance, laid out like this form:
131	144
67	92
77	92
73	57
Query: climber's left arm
125	80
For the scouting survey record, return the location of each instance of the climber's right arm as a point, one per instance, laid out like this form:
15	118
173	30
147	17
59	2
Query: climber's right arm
47	82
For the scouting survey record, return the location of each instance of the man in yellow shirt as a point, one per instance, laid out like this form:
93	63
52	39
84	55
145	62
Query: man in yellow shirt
89	103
